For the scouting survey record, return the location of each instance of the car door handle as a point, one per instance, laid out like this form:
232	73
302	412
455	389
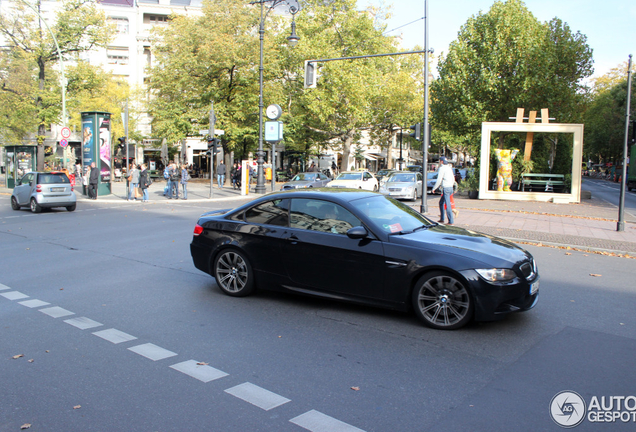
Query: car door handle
293	239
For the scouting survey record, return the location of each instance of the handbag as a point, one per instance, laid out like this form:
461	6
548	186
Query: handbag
138	193
129	178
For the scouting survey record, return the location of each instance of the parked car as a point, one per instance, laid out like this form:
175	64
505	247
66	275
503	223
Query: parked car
431	178
414	168
40	190
355	180
364	248
383	174
403	185
306	180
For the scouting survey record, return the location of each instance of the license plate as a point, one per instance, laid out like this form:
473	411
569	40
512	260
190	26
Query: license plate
57	189
534	288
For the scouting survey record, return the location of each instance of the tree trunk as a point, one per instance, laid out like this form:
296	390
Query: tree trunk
41	126
346	151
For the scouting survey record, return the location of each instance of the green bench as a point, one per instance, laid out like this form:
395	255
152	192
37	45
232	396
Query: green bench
543	182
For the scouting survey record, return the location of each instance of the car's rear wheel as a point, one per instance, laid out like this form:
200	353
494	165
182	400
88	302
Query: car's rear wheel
14	203
233	273
71	207
414	196
35	207
375	188
442	301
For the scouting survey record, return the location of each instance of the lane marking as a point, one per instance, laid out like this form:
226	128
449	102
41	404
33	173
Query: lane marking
257	396
34	303
14	295
316	421
83	323
152	351
56	312
115	336
203	373
4	287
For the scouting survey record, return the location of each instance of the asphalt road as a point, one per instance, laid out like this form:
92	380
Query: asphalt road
610	192
274	362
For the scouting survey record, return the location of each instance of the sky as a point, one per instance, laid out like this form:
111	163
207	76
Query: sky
610	25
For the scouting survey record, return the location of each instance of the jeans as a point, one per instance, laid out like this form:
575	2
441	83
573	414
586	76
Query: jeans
174	190
220	180
185	190
445	199
131	190
145	192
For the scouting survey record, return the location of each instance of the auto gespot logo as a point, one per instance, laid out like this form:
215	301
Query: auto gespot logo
568	409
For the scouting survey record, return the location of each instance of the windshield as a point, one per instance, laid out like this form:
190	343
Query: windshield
431	175
402	177
389	215
304	177
350	176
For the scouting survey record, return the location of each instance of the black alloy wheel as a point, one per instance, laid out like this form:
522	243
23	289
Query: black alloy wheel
442	301
233	273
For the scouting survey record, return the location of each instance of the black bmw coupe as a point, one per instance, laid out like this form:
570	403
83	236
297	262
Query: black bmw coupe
366	248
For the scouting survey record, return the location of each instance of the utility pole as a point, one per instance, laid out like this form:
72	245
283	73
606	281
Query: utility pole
620	226
211	134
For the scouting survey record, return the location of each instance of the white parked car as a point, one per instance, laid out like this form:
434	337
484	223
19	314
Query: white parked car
403	185
355	180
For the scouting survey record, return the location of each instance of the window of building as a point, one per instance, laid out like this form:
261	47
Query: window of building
156	19
121	23
117	56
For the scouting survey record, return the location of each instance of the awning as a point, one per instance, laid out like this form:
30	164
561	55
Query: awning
370	157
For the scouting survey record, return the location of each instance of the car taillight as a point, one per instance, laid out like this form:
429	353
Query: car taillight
198	229
38	188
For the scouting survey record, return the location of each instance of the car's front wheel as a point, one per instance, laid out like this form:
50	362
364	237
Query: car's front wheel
442	301
35	207
14	203
233	273
71	207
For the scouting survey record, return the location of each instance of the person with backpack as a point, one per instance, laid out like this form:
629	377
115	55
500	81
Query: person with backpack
185	177
144	181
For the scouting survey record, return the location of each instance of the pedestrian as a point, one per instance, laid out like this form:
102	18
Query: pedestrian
93	179
220	174
133	183
445	179
175	176
233	174
185	177
144	182
312	168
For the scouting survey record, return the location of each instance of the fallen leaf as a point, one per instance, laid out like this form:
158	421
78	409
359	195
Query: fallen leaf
203	364
355	388
77	407
46	351
568	253
25	426
61	289
18	356
31	361
595	275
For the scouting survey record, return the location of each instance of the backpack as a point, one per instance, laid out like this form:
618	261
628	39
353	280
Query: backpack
166	173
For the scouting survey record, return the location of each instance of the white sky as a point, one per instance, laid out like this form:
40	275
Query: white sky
610	25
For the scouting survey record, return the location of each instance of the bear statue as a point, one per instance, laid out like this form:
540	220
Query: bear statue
504	168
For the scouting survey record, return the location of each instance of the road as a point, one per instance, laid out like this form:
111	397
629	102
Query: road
610	192
128	318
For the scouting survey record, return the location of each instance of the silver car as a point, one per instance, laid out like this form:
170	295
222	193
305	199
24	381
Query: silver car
40	190
403	185
306	180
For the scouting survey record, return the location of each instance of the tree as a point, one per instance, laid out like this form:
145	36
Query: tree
78	27
506	59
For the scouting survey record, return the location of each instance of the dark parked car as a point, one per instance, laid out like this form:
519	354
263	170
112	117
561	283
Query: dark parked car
40	190
306	180
365	248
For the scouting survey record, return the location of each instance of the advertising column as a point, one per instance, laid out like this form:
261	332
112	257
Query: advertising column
96	147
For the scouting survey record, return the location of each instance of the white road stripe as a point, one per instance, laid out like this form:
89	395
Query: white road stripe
203	373
34	303
14	295
4	287
316	421
115	336
152	351
258	396
83	323
56	312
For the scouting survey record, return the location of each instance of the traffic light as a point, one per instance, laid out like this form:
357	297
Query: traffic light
310	74
122	142
417	131
214	144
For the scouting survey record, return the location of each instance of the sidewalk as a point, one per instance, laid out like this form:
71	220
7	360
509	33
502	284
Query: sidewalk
590	225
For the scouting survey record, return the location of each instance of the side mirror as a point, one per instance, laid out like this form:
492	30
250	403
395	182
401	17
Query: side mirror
357	233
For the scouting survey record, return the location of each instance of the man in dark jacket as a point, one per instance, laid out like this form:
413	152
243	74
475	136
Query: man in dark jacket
93	179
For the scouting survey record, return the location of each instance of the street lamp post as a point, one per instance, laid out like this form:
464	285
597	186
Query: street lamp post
293	40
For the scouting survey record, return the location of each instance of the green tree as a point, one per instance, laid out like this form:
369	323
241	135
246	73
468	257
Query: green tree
30	50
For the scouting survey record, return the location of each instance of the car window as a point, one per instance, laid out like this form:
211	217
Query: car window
419	176
27	179
319	215
390	215
269	213
349	176
51	178
402	178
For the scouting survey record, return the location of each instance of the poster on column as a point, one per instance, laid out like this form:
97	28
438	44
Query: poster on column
88	141
104	148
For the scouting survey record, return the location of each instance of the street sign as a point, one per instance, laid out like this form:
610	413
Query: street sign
63	143
66	133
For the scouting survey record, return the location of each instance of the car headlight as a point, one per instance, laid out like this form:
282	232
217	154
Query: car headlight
497	275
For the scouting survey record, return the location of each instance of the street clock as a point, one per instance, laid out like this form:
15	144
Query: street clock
273	112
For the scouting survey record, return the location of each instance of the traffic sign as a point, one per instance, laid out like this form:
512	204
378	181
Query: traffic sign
66	133
63	143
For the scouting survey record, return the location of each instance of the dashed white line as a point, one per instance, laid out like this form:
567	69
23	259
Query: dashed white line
203	373
315	421
258	396
4	287
14	295
152	351
115	336
34	303
56	312
83	323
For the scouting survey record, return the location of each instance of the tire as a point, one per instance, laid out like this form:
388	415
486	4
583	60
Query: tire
414	197
375	188
441	301
35	207
71	207
233	273
14	203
